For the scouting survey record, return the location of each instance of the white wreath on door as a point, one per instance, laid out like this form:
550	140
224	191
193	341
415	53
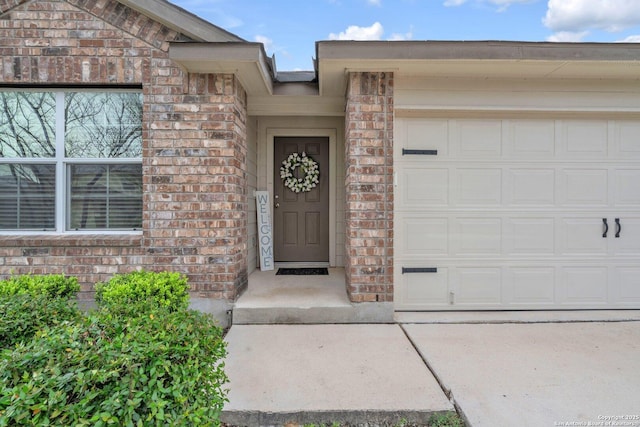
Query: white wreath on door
310	170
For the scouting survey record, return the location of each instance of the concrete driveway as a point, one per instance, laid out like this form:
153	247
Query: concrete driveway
538	374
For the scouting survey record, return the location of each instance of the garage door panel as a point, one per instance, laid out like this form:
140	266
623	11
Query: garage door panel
477	286
424	135
477	139
587	187
584	139
477	236
530	236
531	285
583	236
424	236
627	145
478	186
627	187
425	288
584	285
628	285
531	187
530	139
424	187
628	242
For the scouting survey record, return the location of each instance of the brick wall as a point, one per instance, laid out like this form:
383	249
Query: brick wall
369	187
194	146
195	182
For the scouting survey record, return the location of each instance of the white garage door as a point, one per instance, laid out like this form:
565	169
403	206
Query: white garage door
496	213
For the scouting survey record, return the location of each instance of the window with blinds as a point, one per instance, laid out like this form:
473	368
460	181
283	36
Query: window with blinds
27	197
70	160
105	196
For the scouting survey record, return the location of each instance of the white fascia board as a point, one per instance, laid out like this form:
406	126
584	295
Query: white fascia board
476	50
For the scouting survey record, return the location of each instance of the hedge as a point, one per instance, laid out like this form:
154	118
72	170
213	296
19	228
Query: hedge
141	359
31	303
166	289
54	285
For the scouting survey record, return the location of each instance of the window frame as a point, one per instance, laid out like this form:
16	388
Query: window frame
61	162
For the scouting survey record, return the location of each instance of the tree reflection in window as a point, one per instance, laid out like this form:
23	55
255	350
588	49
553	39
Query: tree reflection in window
27	131
103	125
27	124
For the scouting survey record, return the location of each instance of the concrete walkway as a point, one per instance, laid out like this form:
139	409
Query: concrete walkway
497	374
305	374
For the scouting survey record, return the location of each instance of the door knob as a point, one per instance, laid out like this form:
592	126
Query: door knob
277	205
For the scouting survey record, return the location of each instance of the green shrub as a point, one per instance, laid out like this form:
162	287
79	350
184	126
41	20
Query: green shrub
161	367
29	303
53	285
22	315
165	289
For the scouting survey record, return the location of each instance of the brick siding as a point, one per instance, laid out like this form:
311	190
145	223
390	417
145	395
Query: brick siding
194	146
369	187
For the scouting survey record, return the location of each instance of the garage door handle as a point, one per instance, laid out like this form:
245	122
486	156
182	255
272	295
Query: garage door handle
606	227
619	227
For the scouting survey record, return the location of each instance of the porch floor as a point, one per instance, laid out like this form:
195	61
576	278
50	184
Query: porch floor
272	299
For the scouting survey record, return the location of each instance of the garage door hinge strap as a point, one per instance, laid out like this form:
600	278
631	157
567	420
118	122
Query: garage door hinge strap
420	152
419	270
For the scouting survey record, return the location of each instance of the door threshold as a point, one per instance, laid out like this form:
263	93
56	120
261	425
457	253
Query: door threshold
301	264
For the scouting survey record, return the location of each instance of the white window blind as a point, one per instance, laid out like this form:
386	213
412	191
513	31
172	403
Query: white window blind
27	197
105	196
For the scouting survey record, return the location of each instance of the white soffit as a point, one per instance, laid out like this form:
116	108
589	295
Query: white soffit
246	60
477	60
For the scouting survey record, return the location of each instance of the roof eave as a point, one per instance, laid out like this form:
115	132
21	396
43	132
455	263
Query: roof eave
475	59
248	61
488	50
181	20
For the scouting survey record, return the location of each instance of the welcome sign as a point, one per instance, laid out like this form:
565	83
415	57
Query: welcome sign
265	235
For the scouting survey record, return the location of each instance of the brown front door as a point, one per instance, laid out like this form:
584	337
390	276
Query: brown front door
301	220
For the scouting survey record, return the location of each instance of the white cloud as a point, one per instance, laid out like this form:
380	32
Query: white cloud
354	32
582	15
567	36
631	39
375	2
373	32
266	41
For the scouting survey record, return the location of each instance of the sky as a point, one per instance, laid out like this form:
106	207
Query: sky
289	28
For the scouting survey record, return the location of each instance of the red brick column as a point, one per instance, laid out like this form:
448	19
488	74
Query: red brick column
369	187
195	183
